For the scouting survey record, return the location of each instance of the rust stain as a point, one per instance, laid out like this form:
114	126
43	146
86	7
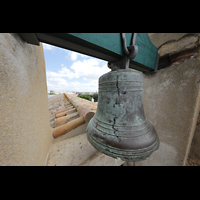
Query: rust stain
102	157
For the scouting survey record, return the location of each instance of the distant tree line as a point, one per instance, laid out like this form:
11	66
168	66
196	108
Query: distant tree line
89	96
52	92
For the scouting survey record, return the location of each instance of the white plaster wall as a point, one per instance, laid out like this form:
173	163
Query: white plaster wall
24	116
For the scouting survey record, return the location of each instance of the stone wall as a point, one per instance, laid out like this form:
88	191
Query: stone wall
24	116
172	97
175	47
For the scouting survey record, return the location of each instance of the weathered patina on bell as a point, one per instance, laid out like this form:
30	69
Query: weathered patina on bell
119	127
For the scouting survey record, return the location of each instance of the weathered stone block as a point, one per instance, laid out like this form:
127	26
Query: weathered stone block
158	39
71	152
187	42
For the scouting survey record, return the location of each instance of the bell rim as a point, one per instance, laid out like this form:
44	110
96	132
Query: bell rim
125	155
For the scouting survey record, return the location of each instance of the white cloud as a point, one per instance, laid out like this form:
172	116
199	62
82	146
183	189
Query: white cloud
47	46
72	55
65	72
59	84
88	70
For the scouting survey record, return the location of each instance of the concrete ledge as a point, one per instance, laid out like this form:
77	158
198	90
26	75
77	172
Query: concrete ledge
77	151
71	152
100	159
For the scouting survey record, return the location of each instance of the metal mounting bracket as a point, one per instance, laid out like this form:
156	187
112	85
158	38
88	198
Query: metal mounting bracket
121	64
129	53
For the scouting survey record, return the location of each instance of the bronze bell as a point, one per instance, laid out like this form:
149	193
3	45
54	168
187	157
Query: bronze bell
119	127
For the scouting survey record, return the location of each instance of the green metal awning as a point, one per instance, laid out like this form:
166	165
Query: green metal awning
106	46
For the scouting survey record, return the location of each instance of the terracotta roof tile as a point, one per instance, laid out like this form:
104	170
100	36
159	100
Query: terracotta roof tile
69	116
67	112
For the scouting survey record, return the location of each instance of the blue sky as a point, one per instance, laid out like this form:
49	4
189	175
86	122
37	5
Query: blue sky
70	71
